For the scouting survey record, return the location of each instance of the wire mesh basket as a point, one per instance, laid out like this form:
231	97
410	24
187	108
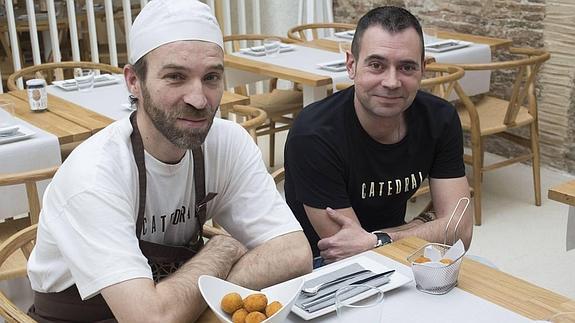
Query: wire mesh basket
438	277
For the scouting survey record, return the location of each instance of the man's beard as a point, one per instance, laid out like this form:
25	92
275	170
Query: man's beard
165	121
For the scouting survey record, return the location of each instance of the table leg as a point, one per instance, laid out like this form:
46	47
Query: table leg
312	94
571	229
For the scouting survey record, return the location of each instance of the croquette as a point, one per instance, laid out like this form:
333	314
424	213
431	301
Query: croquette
255	317
239	316
231	302
256	302
272	308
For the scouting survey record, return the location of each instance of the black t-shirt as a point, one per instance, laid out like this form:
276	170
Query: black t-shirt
331	161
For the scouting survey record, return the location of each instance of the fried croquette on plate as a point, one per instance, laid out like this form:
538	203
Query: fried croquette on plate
272	308
255	317
239	316
231	302
256	302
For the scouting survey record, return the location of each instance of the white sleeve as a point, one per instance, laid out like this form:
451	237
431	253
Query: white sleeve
250	207
96	235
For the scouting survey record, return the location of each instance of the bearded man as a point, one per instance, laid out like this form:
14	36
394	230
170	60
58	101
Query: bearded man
120	232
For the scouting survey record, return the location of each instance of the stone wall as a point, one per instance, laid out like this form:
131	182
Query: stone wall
529	23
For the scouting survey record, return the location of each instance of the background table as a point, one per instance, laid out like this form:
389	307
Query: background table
565	193
42	150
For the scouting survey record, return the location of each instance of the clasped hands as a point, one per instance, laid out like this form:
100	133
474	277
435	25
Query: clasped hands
350	240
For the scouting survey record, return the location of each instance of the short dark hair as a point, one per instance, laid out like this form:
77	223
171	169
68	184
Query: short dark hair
389	18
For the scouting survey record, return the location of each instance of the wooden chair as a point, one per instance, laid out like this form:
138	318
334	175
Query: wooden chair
20	243
495	116
54	71
280	105
16	266
300	33
253	118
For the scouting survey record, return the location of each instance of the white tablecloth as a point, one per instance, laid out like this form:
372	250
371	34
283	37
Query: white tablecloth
106	100
407	304
307	59
40	151
473	82
303	58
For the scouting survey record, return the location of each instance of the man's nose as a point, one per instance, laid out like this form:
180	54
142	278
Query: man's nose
195	95
390	79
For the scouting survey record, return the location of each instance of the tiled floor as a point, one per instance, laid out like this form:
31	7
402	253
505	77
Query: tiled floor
520	238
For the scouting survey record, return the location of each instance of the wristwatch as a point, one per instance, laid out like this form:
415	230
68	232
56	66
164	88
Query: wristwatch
382	238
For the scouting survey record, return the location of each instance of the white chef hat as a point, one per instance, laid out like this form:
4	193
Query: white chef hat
164	21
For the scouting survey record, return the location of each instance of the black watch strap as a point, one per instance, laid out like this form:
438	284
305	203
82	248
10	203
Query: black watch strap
382	238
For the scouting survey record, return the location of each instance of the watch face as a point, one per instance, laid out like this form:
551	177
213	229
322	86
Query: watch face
383	238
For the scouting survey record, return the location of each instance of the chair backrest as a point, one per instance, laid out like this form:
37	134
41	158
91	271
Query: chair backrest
525	68
300	33
53	71
443	79
29	179
23	240
253	118
279	175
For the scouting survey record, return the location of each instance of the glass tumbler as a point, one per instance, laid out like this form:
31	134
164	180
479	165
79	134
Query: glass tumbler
359	303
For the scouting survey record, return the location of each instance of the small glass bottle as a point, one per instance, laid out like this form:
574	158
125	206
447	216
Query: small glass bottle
37	95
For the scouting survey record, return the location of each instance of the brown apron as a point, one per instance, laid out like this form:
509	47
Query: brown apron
67	305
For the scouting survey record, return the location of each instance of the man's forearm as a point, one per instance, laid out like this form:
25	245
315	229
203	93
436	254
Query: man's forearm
177	298
275	261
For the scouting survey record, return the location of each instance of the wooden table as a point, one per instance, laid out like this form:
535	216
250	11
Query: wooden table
66	130
494	43
314	85
564	193
490	284
71	122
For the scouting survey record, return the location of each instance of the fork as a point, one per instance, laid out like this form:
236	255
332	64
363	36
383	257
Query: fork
313	290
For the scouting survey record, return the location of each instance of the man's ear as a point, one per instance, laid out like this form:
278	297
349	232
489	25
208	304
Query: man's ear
350	64
132	80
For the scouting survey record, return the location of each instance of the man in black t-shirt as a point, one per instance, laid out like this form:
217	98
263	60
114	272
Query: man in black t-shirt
354	159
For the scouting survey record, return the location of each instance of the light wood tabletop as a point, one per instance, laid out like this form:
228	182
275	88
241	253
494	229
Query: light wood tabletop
271	70
493	285
564	193
72	112
67	131
71	122
490	284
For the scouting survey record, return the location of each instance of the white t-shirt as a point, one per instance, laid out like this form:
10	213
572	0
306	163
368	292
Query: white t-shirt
86	233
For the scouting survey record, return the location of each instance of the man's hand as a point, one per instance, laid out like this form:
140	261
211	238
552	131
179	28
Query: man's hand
350	240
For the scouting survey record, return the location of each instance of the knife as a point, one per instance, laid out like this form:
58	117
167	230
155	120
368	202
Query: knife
361	281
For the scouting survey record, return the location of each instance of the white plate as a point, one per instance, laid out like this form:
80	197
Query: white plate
446	45
9	130
348	34
334	66
396	280
22	134
260	50
214	289
100	80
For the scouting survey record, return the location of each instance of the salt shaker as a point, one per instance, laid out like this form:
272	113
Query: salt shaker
37	95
